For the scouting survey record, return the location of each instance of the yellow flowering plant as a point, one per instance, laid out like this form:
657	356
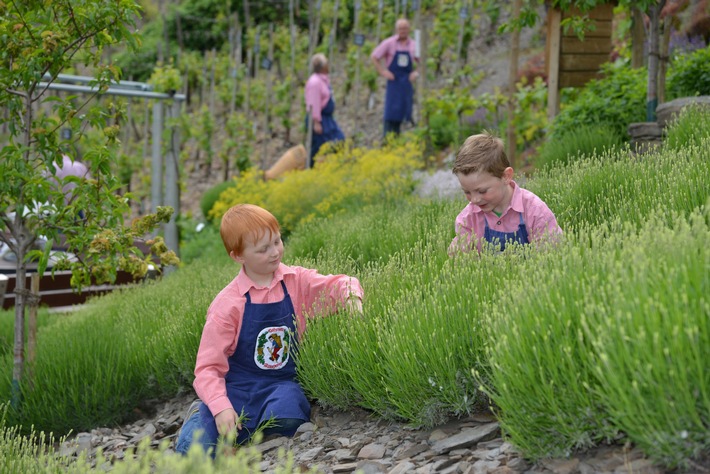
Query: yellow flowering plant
344	176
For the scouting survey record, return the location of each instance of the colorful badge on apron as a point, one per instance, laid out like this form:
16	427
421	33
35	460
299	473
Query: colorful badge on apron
272	348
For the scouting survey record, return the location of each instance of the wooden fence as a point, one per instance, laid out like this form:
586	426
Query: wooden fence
55	290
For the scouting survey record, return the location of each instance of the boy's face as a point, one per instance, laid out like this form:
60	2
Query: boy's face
261	258
486	191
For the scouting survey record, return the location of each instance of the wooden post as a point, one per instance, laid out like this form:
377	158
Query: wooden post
552	63
512	78
314	28
638	38
309	139
172	182
269	87
247	81
156	180
292	31
32	321
210	103
380	7
463	14
663	60
236	61
355	105
652	86
420	34
333	36
160	45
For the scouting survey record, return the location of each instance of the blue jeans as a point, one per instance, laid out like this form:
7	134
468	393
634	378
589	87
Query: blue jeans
286	427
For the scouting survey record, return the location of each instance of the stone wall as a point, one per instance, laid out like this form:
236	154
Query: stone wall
648	135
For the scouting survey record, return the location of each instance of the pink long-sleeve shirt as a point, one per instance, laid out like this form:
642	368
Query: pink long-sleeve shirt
540	222
311	293
388	49
317	94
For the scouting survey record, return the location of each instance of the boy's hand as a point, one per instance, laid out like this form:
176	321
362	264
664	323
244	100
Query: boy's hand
354	304
226	420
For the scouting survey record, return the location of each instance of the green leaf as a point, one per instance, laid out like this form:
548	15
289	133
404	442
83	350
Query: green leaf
44	259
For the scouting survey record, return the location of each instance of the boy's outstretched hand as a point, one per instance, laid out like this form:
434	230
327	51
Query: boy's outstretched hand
354	304
226	421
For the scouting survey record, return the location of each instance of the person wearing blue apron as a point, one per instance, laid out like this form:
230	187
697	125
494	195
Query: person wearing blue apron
330	131
394	60
261	379
245	371
495	237
399	93
320	106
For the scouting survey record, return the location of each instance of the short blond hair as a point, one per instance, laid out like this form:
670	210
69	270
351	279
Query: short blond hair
482	152
245	221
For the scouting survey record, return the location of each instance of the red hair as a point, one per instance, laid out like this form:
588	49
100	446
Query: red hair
245	221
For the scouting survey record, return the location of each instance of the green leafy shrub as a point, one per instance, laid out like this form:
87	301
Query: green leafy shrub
615	101
689	128
587	140
210	197
689	74
443	130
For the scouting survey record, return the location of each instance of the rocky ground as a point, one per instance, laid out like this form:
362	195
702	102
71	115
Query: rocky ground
355	441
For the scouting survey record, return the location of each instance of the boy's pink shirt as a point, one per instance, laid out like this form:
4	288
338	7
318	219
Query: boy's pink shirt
540	222
310	292
389	47
317	94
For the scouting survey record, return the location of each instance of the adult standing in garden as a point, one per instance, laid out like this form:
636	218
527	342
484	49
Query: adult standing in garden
320	105
394	60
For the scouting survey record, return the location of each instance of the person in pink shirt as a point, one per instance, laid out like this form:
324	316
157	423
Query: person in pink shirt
499	211
394	60
245	363
320	105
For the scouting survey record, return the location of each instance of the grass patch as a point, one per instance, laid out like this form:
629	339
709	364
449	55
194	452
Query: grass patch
577	143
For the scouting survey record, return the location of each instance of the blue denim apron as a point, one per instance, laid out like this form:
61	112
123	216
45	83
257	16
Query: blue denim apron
495	237
400	92
331	131
261	378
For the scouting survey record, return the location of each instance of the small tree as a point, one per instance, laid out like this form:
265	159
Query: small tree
38	40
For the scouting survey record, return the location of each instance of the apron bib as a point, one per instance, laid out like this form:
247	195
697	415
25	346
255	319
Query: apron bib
399	93
495	237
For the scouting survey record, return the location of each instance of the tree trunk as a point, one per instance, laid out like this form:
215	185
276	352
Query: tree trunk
664	60
514	54
23	241
653	56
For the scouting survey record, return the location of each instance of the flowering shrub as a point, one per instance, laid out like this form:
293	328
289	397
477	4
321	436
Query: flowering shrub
346	177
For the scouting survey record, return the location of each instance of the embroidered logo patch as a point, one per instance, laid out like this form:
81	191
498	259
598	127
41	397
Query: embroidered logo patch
272	347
